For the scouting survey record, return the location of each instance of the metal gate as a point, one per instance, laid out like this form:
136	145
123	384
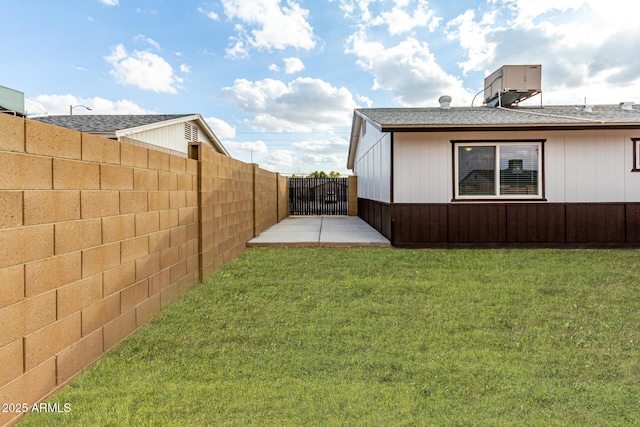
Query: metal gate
318	196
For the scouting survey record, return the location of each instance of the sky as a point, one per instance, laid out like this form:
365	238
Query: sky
278	80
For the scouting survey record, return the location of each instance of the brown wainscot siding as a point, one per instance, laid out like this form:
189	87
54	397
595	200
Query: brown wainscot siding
505	224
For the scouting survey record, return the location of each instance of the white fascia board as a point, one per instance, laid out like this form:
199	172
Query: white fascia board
212	136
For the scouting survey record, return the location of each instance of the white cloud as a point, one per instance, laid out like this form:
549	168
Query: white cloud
211	15
222	129
144	39
272	26
353	8
583	46
302	105
293	65
109	2
143	69
367	102
59	104
281	158
184	68
472	36
322	146
253	147
399	20
528	10
408	70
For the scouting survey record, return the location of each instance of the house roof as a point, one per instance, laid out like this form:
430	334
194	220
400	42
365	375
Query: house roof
436	119
554	115
115	126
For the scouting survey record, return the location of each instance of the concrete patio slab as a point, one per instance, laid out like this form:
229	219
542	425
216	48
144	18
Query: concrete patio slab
300	231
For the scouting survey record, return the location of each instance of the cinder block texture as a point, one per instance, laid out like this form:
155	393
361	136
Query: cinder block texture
97	204
11	285
50	273
132	249
133	155
145	179
119	278
133	202
46	342
97	315
116	177
54	141
147	222
73	359
12	135
75	175
116	330
80	294
41	207
116	228
10	209
159	160
26	316
100	150
353	195
29	388
100	258
25	172
11	360
24	244
75	235
149	308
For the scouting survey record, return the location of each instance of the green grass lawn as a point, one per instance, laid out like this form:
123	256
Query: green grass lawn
382	337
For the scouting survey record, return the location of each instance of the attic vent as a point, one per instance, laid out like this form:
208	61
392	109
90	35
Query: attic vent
627	106
190	132
445	101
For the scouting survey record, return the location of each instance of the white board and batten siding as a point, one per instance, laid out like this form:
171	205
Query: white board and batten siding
175	137
591	166
372	164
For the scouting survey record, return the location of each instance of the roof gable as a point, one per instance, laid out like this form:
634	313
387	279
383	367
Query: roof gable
115	126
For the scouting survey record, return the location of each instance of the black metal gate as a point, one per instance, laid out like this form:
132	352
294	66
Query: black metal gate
318	196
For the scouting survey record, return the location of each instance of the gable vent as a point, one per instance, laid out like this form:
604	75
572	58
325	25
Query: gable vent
190	132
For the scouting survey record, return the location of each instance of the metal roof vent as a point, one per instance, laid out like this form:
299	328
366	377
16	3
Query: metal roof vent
445	101
627	106
588	108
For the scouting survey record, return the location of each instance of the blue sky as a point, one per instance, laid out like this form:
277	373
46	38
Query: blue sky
277	81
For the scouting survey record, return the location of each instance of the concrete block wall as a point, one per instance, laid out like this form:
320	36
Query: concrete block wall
266	206
96	237
353	195
283	197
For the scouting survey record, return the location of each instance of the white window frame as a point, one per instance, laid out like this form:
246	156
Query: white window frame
497	145
636	154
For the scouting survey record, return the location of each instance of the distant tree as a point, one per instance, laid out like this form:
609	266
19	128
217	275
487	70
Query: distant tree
323	174
317	174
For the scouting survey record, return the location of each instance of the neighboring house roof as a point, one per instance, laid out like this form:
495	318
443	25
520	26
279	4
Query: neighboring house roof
116	126
436	119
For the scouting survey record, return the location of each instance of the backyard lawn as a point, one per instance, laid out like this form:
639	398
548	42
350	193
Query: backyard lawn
382	337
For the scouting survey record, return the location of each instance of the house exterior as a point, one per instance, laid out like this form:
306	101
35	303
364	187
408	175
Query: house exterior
530	176
167	132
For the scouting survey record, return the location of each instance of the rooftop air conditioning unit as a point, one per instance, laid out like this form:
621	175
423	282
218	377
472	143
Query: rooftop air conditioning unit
512	84
11	101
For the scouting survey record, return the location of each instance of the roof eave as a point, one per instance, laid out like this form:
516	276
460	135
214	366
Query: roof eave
508	127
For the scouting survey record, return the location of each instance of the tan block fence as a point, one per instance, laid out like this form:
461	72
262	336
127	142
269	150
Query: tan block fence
97	236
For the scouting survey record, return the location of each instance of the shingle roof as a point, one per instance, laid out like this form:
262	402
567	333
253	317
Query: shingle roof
491	116
95	123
